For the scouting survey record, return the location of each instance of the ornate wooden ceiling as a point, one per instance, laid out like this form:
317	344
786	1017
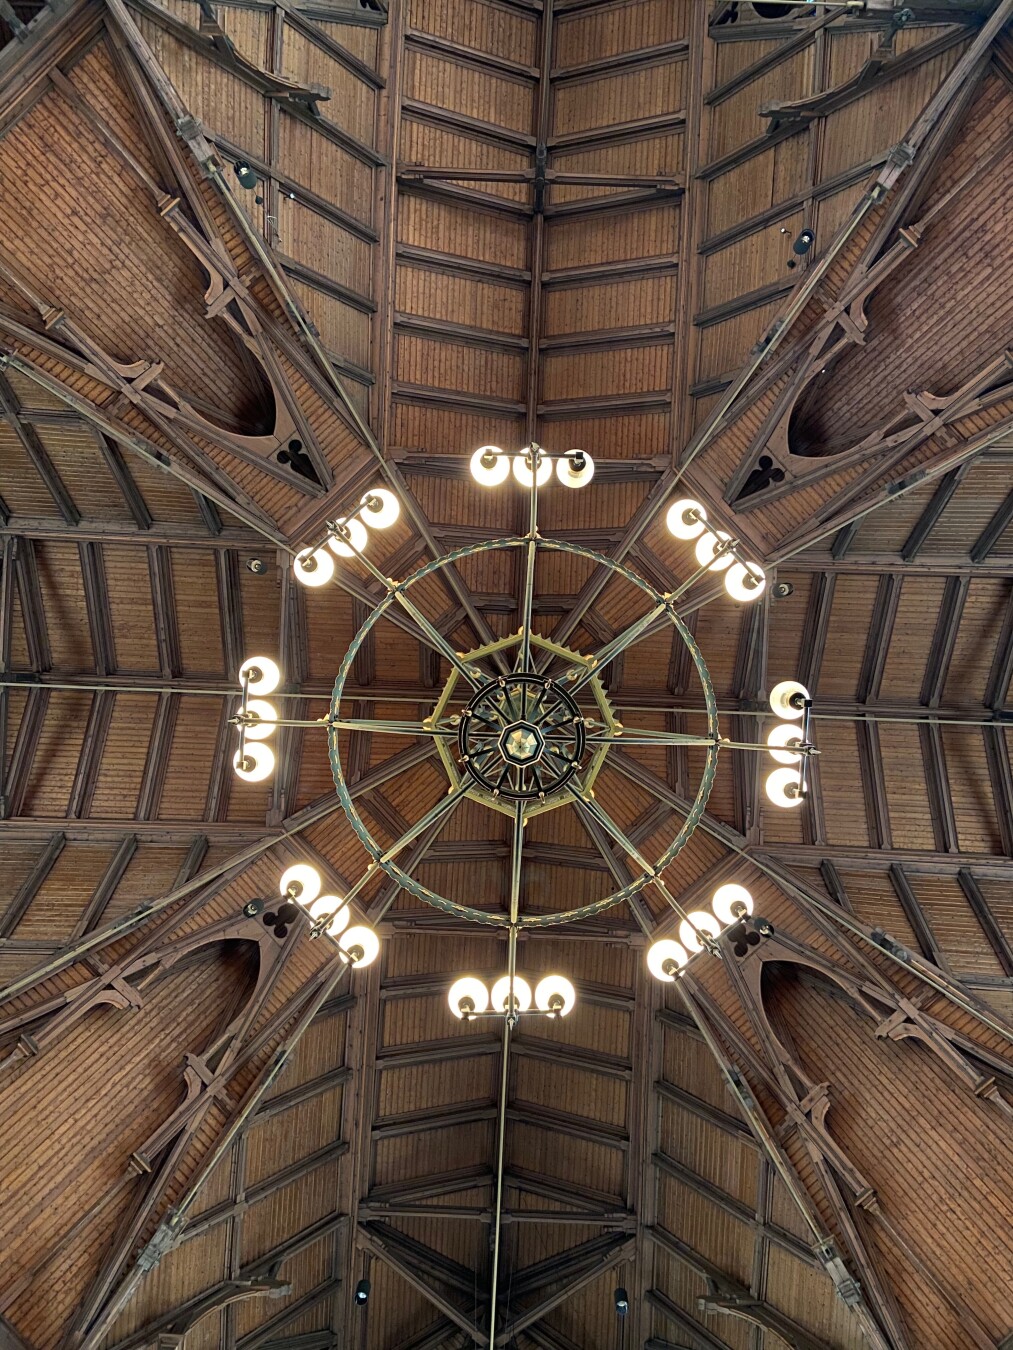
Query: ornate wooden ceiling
475	220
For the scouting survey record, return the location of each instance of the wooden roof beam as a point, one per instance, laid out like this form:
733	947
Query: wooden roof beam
734	1208
386	1244
685	1322
733	1298
575	1283
36	452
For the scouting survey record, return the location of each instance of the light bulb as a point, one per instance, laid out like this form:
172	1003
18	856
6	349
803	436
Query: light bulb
381	508
266	716
347	546
782	787
660	954
501	990
303	880
686	519
524	473
359	946
471	990
260	675
255	763
494	471
553	989
787	699
707	554
783	736
313	567
333	908
731	901
745	582
568	472
699	921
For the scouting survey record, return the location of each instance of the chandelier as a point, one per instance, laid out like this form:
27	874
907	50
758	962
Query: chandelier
524	725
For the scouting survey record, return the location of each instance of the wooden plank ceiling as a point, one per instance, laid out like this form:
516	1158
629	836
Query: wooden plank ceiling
503	220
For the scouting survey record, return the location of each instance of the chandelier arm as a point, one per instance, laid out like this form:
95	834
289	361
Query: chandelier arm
440	811
597	661
586	805
429	633
527	603
380	726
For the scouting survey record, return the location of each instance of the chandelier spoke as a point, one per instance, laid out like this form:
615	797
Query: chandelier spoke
588	806
598	660
384	728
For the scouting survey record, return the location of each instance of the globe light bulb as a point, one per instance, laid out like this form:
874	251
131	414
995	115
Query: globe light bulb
501	992
381	508
300	882
467	990
490	466
255	763
266	717
664	958
782	737
686	519
788	699
313	567
259	675
707	554
731	901
333	908
782	788
555	995
745	582
352	541
576	469
699	921
524	471
359	946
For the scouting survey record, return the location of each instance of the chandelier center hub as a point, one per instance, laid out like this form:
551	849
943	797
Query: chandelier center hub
521	744
522	737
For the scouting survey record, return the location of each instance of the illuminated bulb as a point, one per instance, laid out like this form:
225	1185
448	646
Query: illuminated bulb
490	466
555	995
300	882
787	699
333	908
348	545
664	958
266	717
745	582
707	554
501	991
523	470
780	741
260	675
465	991
731	901
576	469
686	519
382	508
255	763
313	567
699	921
782	788
359	946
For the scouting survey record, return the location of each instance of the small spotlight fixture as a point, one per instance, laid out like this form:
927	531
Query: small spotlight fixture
247	178
362	1292
803	242
622	1301
257	566
782	589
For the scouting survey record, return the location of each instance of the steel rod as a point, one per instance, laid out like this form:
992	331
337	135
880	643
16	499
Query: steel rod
429	632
